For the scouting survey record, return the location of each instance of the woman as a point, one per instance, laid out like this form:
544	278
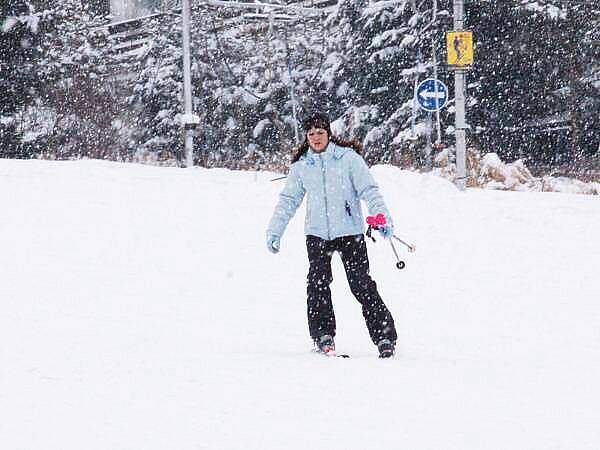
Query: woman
334	177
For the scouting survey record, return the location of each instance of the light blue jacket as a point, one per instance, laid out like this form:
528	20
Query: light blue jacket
334	182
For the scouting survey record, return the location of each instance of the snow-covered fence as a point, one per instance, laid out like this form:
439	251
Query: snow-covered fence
327	5
130	37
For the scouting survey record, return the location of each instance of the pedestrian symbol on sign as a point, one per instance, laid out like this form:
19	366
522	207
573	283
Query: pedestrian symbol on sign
459	45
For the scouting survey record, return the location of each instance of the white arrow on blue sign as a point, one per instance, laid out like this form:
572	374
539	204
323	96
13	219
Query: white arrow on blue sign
432	94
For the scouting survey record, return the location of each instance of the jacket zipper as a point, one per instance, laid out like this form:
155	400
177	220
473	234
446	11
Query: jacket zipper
325	195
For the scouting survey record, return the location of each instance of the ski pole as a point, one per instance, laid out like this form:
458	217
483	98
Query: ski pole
374	223
411	248
400	264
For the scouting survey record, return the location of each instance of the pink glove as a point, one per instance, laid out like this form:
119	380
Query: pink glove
380	223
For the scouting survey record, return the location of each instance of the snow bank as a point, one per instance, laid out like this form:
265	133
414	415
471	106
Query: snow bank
490	172
494	174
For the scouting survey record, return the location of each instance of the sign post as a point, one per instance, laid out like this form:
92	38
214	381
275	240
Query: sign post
459	44
432	95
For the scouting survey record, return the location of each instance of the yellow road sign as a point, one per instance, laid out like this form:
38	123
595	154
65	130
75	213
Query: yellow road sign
460	49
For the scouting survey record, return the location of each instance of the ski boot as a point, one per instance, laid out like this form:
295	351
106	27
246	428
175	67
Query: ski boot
325	345
386	348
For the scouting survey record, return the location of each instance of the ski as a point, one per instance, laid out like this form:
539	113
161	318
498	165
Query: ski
331	354
326	347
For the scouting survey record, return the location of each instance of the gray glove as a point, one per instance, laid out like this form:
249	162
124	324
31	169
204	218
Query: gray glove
273	243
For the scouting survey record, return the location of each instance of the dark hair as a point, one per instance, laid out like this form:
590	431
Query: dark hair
303	148
317	120
321	120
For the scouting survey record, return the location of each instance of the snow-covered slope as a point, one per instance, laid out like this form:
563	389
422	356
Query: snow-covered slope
140	309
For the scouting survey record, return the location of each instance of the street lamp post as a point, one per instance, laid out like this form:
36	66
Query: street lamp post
189	120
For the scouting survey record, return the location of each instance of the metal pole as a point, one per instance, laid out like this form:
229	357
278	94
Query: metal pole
188	129
435	75
459	99
413	117
294	114
292	88
437	99
429	150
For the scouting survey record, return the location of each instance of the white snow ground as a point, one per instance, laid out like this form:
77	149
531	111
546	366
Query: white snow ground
140	310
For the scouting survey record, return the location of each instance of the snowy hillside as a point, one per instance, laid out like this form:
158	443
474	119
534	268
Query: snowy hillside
141	310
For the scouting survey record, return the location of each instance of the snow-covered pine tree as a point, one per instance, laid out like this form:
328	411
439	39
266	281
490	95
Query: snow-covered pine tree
385	46
259	64
532	80
81	72
157	96
584	89
241	83
18	75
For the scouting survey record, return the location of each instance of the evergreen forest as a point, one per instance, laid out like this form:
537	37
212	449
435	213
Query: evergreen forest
76	85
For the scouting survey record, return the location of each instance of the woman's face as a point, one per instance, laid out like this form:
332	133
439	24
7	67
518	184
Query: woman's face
317	139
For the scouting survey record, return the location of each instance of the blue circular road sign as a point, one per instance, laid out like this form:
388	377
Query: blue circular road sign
432	94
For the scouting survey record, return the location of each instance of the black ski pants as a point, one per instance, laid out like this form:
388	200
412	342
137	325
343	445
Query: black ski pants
353	251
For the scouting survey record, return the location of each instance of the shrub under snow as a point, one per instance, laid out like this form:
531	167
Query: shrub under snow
490	172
